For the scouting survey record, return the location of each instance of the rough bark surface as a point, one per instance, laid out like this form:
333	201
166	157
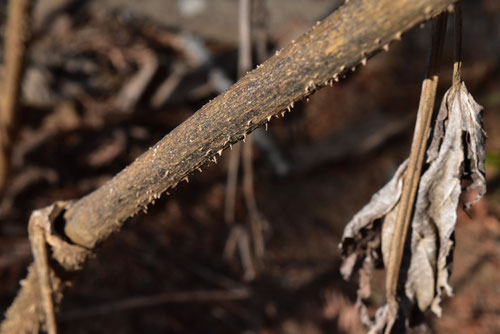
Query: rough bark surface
349	36
345	39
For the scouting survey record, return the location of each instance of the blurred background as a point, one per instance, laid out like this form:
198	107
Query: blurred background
107	79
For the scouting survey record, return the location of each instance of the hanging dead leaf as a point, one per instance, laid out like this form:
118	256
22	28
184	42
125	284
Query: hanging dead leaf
456	153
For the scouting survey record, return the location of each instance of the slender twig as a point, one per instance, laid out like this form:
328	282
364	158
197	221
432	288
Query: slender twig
244	64
257	221
175	297
16	44
260	31
412	175
457	66
232	184
245	38
242	237
41	260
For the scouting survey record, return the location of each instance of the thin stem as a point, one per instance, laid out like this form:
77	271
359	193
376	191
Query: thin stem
41	260
231	183
245	39
260	29
244	64
457	66
16	44
412	175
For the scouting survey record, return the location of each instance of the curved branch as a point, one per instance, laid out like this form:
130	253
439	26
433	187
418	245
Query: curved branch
346	38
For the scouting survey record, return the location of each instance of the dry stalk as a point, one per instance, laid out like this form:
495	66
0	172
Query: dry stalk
457	66
413	171
16	44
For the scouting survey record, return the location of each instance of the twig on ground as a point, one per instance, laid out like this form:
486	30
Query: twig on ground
197	296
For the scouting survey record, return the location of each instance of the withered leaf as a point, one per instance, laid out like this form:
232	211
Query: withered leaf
456	152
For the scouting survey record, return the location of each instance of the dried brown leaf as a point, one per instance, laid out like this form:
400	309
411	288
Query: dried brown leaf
456	152
461	155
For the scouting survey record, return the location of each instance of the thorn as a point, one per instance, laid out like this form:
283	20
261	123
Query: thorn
244	137
288	108
363	61
398	35
186	179
199	169
291	104
231	146
269	118
166	173
307	99
342	68
331	83
378	40
249	122
220	152
353	68
215	159
386	47
267	126
336	78
283	114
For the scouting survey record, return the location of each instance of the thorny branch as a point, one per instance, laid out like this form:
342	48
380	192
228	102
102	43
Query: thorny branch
355	32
